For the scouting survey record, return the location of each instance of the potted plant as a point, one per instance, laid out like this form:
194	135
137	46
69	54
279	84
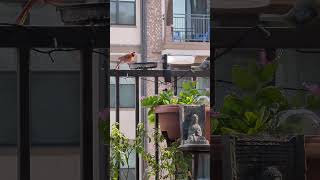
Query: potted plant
260	109
166	105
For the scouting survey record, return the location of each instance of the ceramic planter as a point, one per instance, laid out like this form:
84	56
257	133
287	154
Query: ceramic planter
170	123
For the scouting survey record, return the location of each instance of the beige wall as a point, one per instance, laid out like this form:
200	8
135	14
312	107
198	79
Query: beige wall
61	163
127	35
127	121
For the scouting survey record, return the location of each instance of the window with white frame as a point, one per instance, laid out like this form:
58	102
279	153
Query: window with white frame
123	12
127	89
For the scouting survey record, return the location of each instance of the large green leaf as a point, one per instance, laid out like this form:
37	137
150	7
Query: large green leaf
243	79
232	104
267	72
251	118
269	95
214	125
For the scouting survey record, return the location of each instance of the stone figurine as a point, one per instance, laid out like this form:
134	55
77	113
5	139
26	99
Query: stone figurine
195	132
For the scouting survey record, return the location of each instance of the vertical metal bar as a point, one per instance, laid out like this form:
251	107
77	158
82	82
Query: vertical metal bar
23	84
86	118
118	99
137	123
107	111
195	165
175	85
212	78
156	91
118	110
212	91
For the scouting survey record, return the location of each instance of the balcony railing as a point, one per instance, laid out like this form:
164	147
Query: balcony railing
191	28
156	77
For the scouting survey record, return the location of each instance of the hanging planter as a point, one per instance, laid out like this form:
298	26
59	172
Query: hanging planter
85	13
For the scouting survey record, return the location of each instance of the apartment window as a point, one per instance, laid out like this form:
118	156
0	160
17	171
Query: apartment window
127	93
123	12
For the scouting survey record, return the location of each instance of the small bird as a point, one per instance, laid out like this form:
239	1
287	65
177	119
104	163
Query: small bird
128	58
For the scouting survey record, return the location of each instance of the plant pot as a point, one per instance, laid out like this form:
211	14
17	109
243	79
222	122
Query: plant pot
312	155
170	123
169	120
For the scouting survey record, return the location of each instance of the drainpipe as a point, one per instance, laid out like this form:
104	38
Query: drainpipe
144	119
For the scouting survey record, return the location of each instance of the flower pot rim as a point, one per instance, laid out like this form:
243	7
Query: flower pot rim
169	108
172	108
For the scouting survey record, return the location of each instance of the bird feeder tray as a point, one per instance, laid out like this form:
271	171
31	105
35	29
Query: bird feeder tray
143	65
85	13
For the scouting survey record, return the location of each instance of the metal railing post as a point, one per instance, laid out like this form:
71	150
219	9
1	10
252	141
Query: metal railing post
23	84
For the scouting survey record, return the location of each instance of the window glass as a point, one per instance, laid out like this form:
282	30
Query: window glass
126	13
55	107
127	95
123	12
8	108
113	12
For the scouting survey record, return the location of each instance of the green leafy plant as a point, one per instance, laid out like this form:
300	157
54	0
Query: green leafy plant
171	157
188	95
122	148
172	163
253	110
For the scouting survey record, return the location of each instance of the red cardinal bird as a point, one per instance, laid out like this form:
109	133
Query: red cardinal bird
128	58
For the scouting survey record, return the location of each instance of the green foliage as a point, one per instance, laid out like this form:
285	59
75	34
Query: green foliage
188	95
171	158
122	148
253	76
252	111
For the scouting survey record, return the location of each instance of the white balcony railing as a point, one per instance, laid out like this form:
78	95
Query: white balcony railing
191	28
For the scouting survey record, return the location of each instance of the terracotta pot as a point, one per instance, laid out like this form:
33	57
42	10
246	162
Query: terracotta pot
207	125
169	121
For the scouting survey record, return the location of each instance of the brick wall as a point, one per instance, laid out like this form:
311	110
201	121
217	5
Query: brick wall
154	30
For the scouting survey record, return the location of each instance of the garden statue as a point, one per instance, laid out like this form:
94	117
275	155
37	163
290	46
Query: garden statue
195	132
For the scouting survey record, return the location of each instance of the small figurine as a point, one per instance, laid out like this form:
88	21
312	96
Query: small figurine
195	132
